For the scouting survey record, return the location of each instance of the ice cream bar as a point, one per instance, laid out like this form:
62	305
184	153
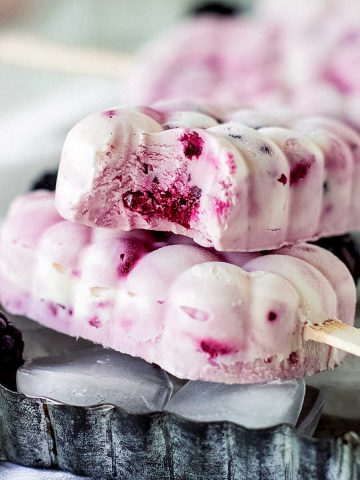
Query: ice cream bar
275	56
236	181
198	313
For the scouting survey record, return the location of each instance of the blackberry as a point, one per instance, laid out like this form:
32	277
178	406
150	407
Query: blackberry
11	352
160	236
345	248
47	181
216	8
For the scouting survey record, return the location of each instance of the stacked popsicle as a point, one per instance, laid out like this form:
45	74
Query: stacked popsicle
235	183
303	55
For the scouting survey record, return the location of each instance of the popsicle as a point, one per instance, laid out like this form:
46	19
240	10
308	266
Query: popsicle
303	56
236	181
198	313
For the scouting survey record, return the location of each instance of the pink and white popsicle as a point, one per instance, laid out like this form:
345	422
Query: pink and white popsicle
198	313
303	55
236	181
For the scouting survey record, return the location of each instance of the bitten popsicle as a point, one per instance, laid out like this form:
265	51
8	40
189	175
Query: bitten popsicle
236	181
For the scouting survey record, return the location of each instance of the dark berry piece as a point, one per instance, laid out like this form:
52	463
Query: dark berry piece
282	179
216	8
293	358
272	316
299	172
171	204
7	344
11	352
161	236
237	136
214	348
47	181
3	322
14	332
110	113
265	149
192	144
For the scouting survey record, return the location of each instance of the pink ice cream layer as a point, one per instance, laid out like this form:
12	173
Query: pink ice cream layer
237	181
199	314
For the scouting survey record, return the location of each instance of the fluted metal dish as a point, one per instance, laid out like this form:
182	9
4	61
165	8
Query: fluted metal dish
106	442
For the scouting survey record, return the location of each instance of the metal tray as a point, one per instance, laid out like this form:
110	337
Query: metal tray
108	443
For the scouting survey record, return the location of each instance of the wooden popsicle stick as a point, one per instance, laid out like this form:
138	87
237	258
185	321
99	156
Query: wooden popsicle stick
336	334
40	54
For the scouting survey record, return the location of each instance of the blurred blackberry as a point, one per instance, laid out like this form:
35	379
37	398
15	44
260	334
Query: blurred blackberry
161	236
216	8
346	249
47	181
11	352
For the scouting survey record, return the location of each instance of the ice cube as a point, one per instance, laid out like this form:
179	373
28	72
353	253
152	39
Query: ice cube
341	387
40	341
253	406
97	376
311	411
